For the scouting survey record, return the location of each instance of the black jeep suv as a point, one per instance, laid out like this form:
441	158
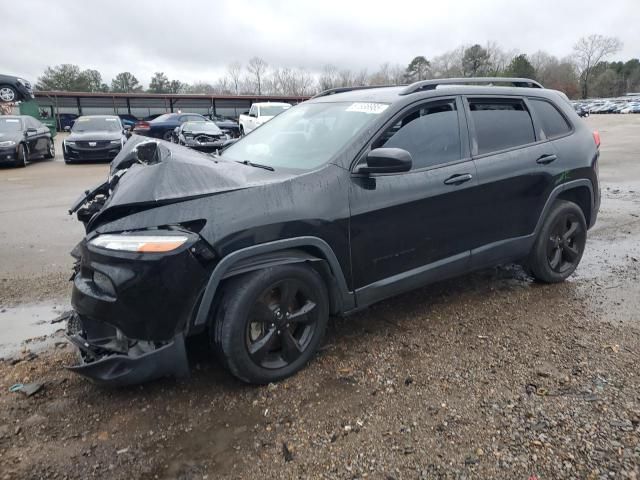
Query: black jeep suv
342	201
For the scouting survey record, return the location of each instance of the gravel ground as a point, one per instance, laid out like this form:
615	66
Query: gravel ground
486	376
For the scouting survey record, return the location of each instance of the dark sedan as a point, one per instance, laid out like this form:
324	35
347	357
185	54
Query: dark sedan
94	137
14	89
163	127
202	136
227	125
23	138
128	120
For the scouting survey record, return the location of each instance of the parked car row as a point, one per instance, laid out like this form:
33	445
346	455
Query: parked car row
586	108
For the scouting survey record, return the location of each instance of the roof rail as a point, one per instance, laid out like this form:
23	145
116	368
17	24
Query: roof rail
432	84
333	91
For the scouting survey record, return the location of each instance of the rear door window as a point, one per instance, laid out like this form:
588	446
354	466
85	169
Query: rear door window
430	133
552	122
500	124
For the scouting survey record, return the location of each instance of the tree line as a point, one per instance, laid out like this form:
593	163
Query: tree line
583	74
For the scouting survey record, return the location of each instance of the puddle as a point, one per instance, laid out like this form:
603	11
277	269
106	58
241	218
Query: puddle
28	325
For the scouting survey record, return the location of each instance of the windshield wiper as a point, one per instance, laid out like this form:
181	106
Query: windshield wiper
257	165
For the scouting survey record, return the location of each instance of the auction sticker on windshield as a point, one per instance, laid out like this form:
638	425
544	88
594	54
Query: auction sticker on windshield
362	107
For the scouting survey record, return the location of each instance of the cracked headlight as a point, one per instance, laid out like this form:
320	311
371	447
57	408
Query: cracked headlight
139	243
7	143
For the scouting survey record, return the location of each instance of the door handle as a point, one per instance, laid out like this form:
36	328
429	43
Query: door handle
545	159
458	179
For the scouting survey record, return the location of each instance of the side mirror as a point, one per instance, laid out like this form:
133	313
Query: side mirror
67	128
176	130
32	131
254	115
386	160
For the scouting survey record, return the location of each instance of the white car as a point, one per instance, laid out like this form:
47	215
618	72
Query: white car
631	108
260	113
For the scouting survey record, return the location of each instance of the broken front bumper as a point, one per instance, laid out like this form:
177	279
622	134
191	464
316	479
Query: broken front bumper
132	311
115	360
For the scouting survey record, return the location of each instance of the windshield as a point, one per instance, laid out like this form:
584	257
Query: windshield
306	136
205	127
95	124
273	110
10	125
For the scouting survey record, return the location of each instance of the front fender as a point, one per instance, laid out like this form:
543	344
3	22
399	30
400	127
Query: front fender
269	254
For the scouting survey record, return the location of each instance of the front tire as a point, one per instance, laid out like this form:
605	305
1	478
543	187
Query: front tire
21	161
560	243
269	323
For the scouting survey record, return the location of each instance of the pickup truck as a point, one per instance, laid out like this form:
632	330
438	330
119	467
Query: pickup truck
259	114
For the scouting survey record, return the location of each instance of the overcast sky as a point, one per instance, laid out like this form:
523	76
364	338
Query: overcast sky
193	40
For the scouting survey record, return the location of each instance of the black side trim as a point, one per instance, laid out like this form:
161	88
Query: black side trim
411	279
502	251
231	265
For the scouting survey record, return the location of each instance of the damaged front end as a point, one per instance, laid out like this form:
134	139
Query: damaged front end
136	291
108	357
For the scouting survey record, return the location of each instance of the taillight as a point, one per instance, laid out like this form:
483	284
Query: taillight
596	138
142	126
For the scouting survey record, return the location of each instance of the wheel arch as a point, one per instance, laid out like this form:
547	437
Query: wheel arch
581	196
577	191
311	250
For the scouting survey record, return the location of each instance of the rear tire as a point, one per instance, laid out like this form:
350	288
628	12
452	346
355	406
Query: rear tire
168	136
560	243
269	323
51	150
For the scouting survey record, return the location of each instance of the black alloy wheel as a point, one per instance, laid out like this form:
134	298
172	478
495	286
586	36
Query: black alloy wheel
270	322
560	243
565	243
281	324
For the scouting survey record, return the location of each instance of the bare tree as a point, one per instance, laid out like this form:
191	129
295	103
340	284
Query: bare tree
257	69
328	77
346	78
449	64
498	59
591	50
234	70
304	83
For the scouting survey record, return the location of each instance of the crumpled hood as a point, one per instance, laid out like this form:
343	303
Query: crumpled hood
160	172
94	136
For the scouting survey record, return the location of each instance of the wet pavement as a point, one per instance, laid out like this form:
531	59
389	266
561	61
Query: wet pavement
29	326
486	376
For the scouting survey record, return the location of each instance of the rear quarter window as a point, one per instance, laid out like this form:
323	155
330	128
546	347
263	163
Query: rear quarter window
500	124
551	120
